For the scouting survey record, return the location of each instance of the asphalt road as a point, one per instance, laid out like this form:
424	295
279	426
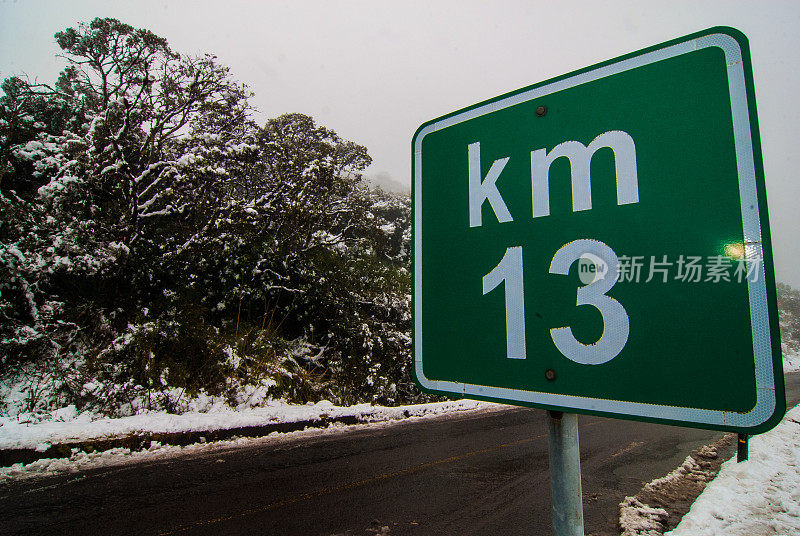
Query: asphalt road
483	473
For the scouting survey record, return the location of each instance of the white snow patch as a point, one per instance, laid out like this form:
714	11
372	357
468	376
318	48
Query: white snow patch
791	360
638	519
16	434
383	417
758	496
690	466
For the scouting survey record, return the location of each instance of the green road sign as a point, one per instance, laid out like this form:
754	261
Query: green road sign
599	243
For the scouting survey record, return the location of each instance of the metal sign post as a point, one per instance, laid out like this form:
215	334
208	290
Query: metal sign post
565	474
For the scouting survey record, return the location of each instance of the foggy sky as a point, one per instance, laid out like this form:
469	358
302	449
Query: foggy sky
374	71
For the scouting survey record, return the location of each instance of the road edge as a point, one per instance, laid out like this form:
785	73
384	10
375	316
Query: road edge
143	440
661	504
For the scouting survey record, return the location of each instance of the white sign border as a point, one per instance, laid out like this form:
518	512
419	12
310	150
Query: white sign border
766	400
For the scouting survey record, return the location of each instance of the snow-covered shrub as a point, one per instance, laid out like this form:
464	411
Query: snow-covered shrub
156	245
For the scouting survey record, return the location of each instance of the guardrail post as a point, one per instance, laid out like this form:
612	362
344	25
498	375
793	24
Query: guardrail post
742	448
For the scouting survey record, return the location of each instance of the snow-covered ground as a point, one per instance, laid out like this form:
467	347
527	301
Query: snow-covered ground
791	360
81	461
67	426
46	432
760	496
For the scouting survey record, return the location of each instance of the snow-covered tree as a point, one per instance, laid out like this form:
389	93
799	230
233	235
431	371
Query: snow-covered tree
153	238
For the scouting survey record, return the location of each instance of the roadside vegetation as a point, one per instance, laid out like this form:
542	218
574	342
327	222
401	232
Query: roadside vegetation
158	246
161	250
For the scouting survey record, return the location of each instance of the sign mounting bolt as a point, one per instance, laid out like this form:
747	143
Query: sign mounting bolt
541	111
550	374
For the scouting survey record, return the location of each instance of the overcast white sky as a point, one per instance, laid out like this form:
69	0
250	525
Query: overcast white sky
374	71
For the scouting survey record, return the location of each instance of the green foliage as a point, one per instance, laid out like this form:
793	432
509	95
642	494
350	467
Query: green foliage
157	245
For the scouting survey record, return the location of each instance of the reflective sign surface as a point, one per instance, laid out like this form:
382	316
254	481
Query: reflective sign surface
599	243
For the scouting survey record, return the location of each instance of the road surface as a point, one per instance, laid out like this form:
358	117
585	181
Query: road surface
479	473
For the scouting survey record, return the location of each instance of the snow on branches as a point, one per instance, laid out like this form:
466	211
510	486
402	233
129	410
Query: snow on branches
155	240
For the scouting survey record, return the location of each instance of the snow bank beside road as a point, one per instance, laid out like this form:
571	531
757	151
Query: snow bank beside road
759	496
66	426
791	360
